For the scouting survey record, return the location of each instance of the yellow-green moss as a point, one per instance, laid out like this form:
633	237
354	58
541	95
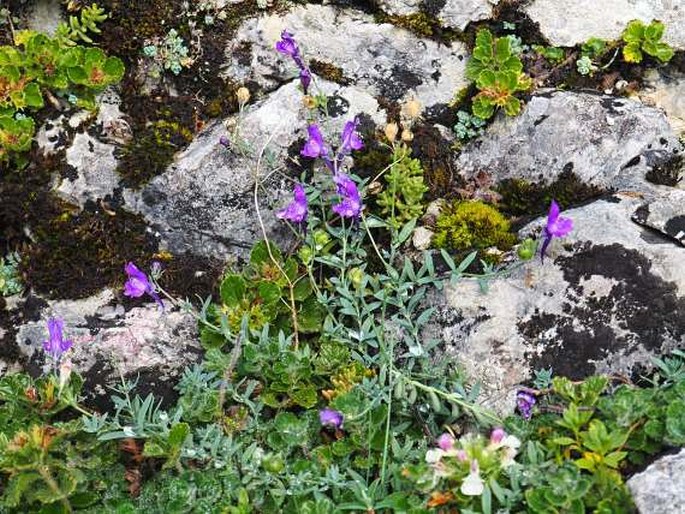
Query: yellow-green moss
327	70
522	198
467	225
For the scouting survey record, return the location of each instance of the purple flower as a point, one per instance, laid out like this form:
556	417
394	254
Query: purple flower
350	139
56	345
557	226
295	211
446	442
305	79
497	435
139	284
525	402
331	418
287	45
350	205
315	146
224	141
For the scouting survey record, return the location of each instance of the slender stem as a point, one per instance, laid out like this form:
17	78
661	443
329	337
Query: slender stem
451	397
291	286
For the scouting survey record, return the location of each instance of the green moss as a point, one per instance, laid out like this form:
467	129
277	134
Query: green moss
150	152
467	225
327	71
76	254
420	23
521	198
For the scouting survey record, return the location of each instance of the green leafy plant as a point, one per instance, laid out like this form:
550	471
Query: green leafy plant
38	64
265	292
78	27
498	74
551	53
466	225
468	126
10	280
645	39
170	53
401	200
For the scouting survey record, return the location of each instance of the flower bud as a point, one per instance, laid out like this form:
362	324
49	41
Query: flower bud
243	95
526	250
391	130
356	276
321	239
309	102
407	135
306	254
412	109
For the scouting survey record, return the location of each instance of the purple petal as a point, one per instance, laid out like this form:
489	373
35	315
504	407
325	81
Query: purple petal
56	345
137	284
331	418
350	205
287	45
305	79
446	442
350	139
553	214
561	227
315	146
296	210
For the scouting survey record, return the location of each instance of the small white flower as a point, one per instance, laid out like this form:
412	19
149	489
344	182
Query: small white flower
434	455
473	484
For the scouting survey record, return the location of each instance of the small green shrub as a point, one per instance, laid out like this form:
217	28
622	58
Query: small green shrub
498	74
36	63
641	38
401	200
262	295
464	225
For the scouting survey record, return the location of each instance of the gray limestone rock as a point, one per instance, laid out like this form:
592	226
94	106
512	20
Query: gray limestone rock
110	342
666	213
605	141
666	90
381	59
456	14
608	297
571	22
660	489
44	16
205	202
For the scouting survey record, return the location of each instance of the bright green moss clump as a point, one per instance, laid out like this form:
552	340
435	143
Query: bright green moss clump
465	225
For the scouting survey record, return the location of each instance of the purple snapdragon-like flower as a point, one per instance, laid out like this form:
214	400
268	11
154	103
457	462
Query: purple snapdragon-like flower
351	140
296	210
331	418
139	284
315	146
525	402
288	46
305	79
350	205
557	226
56	345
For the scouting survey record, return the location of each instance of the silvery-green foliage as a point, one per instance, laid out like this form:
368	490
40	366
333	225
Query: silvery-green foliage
10	280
